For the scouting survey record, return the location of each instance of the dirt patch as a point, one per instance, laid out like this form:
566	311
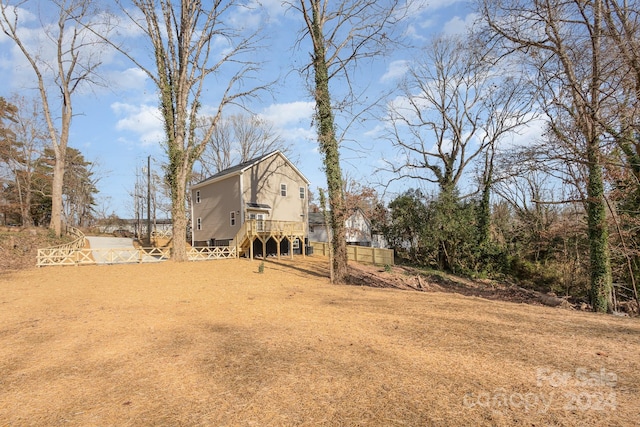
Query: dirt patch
218	343
19	246
409	278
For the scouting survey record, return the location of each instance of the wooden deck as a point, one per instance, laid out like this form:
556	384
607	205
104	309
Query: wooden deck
264	230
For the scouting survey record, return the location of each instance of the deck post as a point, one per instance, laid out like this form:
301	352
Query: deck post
290	247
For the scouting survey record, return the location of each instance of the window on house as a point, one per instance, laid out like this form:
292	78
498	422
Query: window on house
283	190
198	196
199	224
302	192
296	244
232	218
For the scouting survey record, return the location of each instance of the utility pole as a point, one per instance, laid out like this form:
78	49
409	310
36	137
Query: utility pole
149	200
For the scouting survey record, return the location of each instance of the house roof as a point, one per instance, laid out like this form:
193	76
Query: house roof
316	218
258	206
238	169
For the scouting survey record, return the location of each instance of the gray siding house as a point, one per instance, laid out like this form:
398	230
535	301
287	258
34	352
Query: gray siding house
259	206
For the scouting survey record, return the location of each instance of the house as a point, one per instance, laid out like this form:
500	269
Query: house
259	206
358	230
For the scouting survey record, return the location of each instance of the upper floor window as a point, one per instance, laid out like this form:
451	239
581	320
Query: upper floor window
302	192
232	218
198	196
283	190
199	224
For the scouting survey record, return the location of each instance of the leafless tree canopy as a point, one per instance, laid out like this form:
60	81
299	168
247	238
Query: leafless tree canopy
237	139
456	103
341	34
73	61
184	37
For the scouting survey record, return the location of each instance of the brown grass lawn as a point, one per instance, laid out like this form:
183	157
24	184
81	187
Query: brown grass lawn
217	344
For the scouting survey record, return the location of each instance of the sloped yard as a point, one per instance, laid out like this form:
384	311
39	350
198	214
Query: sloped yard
218	344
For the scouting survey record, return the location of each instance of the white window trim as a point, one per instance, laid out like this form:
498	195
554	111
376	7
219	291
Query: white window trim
283	189
232	218
199	224
197	196
303	193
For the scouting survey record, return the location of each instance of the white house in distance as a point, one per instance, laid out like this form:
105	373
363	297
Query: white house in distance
358	230
259	206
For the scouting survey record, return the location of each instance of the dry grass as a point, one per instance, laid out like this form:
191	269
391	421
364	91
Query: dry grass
217	344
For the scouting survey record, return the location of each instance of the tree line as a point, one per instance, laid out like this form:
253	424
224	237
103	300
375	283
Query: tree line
27	170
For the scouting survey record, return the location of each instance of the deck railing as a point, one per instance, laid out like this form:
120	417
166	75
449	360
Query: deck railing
256	227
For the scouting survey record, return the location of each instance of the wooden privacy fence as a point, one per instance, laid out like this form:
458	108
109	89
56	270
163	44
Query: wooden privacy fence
362	254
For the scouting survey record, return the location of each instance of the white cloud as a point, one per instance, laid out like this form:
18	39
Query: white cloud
274	8
246	16
532	132
142	120
457	25
130	78
395	70
290	113
420	6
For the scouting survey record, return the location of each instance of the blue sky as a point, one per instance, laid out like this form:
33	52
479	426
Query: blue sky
118	126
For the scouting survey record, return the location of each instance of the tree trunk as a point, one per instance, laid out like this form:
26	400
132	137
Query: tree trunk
56	192
601	281
179	251
601	286
330	149
180	177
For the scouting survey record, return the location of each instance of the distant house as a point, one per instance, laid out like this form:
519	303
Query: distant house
259	206
133	227
358	230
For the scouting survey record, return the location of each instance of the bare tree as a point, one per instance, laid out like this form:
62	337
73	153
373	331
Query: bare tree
565	44
58	76
341	33
183	37
456	103
237	139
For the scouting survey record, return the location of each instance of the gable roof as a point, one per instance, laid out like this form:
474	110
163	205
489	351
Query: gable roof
240	168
